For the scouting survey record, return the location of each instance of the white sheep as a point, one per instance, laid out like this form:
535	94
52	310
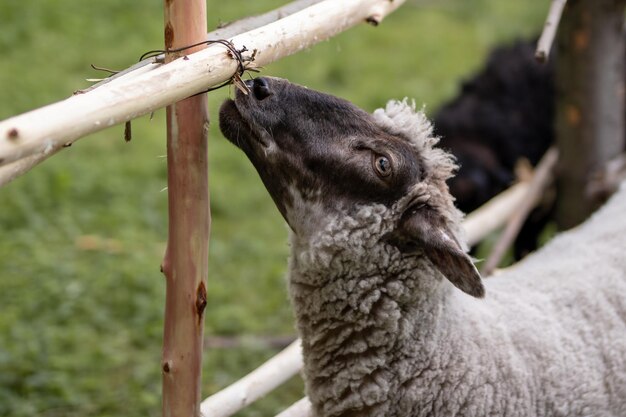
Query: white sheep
390	308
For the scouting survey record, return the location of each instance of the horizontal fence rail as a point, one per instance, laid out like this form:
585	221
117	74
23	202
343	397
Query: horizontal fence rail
35	135
256	384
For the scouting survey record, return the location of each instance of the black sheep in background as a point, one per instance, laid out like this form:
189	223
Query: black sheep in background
504	113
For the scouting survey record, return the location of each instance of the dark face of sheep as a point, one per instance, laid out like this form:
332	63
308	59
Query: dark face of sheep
319	155
317	144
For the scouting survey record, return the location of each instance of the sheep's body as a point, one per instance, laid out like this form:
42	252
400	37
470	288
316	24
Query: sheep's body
376	269
549	339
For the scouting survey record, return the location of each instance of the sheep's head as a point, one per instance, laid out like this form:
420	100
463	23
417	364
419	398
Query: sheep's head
320	156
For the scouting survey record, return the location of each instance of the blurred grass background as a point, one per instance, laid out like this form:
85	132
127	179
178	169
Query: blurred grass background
82	236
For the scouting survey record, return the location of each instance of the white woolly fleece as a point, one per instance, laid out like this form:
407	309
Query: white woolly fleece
385	334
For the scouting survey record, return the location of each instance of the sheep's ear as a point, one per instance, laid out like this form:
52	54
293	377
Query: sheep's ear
426	229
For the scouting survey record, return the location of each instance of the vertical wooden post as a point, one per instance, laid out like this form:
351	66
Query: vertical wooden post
185	264
590	100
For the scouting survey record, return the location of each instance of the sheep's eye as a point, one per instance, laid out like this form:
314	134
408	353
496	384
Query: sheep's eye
382	165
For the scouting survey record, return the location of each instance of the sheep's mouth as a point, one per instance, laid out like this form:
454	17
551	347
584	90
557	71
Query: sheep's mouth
236	128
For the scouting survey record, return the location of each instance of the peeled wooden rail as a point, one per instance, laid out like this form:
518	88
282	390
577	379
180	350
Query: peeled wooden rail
301	408
37	134
17	168
256	384
549	30
226	31
493	214
542	178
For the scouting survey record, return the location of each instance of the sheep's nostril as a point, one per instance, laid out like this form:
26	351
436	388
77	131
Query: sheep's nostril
249	83
261	88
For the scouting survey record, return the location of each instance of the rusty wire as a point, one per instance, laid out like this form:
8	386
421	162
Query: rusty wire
233	52
236	54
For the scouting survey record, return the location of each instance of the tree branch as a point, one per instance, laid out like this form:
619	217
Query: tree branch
494	213
541	179
549	30
256	384
13	170
301	408
590	107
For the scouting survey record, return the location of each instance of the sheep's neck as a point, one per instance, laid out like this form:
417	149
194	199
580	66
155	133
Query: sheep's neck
361	316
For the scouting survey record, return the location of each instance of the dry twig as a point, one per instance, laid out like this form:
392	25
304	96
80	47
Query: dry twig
549	30
494	213
540	181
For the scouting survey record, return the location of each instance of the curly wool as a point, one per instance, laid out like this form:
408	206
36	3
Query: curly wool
384	334
402	118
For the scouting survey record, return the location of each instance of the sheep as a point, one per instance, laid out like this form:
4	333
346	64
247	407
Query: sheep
503	113
394	318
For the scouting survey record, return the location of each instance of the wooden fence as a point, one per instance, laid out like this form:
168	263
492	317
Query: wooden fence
173	77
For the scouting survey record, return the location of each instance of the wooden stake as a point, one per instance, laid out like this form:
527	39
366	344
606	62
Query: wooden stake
185	264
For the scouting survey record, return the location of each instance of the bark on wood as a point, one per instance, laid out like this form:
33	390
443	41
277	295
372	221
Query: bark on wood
185	264
590	103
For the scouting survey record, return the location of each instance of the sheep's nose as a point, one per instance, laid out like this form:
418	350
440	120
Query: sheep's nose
260	88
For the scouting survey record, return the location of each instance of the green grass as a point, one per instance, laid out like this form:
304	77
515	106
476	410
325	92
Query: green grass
82	235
